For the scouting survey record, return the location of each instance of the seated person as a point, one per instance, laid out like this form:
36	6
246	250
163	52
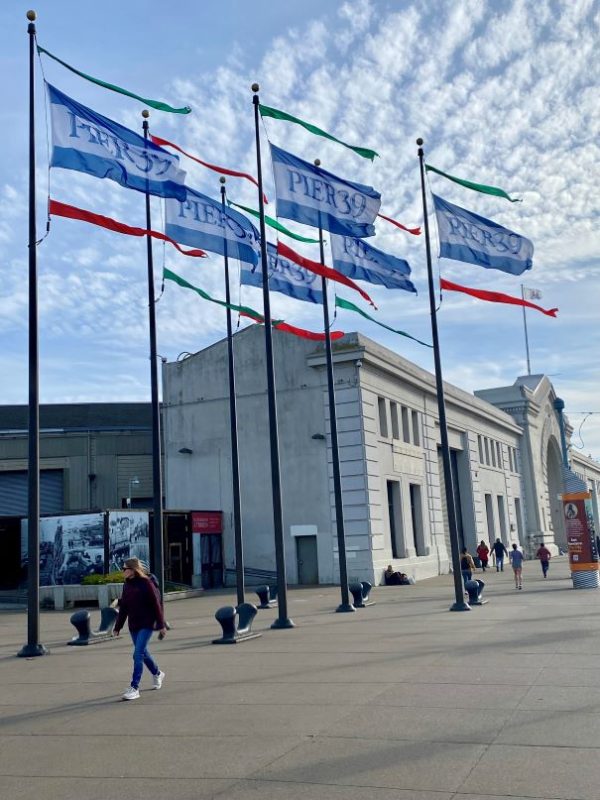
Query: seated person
393	578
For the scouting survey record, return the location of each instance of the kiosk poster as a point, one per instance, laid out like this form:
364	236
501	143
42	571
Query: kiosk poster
581	536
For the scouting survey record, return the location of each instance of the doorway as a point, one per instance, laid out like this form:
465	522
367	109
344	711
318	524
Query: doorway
307	560
178	548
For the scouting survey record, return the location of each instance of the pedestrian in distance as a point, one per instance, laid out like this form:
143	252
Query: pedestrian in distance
467	565
140	605
483	552
516	559
499	551
544	556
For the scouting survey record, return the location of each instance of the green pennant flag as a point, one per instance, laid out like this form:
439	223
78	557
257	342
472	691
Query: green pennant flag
273	223
267	111
157	104
477	187
348	306
246	310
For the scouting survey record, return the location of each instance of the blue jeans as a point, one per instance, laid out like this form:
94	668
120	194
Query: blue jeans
141	655
500	563
466	575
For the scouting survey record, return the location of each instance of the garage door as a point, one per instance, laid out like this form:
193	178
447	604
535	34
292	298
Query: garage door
13	493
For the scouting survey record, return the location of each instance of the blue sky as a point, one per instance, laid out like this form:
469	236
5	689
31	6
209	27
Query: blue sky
503	92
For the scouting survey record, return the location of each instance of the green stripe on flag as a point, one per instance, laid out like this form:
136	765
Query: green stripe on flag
267	111
157	104
477	187
274	224
348	306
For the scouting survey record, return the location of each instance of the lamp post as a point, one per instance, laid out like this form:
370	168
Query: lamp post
132	482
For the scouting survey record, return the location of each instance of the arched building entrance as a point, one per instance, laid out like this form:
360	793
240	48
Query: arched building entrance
555	488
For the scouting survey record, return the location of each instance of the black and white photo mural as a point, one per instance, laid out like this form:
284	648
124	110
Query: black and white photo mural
128	536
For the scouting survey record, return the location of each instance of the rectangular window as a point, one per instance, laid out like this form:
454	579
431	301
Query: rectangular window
383	424
487	450
394	416
405	425
499	451
480	445
502	518
395	518
510	459
516	459
489	513
493	452
415	427
416	513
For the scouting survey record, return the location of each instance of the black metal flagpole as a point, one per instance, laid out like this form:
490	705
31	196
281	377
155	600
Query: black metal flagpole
459	604
157	566
282	621
345	605
235	464
33	646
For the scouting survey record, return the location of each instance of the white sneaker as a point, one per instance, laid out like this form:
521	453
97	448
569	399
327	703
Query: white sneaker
158	680
131	694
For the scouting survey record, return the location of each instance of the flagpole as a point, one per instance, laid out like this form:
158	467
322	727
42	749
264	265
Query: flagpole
235	464
459	604
282	621
345	606
33	646
525	329
157	536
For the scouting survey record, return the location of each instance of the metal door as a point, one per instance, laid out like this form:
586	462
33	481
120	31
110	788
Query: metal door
307	559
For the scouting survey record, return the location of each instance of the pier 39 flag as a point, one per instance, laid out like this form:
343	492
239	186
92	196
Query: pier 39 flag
199	218
465	236
310	195
88	142
357	259
285	277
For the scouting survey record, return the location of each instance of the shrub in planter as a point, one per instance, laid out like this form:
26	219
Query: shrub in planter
99	580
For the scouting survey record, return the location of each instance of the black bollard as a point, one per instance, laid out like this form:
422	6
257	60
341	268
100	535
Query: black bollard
267	595
474	589
236	623
81	620
360	593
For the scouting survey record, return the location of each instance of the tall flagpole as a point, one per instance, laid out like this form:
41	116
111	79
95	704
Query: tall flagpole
525	329
459	603
345	605
282	621
235	464
157	538
33	646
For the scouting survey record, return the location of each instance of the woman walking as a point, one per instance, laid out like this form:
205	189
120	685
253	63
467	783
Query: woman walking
140	604
483	551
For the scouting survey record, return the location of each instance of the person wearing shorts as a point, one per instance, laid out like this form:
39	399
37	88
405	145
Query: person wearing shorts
516	560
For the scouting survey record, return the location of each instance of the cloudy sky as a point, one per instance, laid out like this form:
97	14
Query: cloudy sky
503	92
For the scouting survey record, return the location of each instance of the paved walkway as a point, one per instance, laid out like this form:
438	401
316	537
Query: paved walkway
399	701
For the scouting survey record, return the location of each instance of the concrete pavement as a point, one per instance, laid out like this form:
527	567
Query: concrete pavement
400	700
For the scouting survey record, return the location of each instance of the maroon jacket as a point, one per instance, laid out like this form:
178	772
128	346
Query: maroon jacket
140	604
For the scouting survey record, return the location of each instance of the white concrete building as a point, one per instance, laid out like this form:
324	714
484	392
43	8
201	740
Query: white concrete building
505	454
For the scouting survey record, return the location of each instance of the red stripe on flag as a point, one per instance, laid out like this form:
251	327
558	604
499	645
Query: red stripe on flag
72	212
221	170
295	331
495	297
320	269
414	231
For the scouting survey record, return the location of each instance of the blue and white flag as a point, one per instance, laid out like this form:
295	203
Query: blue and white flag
465	236
285	277
200	221
88	142
359	260
310	195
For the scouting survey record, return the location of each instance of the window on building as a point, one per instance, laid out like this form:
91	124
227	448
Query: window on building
405	425
394	416
416	514
487	450
383	423
493	452
499	454
489	513
395	518
510	459
480	445
502	518
415	429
